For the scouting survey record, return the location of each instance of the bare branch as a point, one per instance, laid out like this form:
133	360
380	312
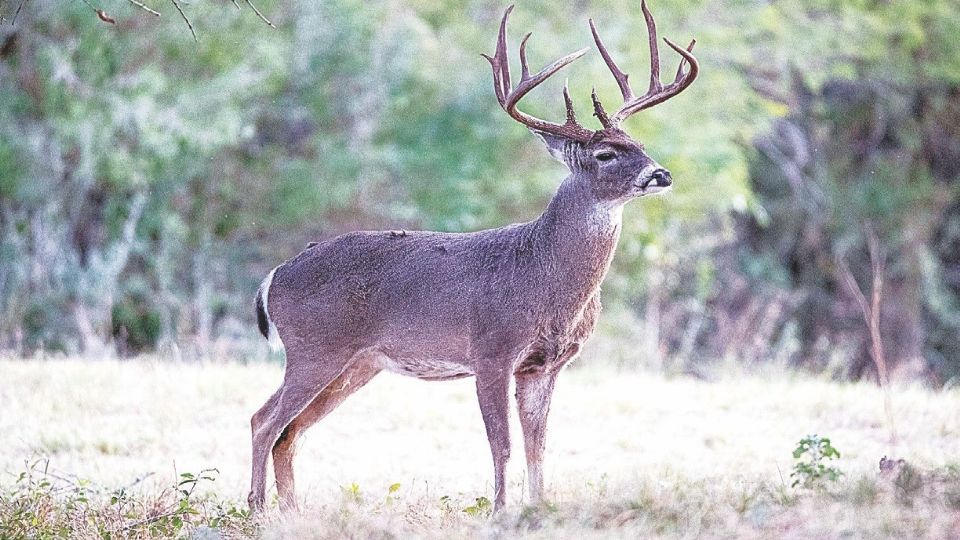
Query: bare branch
877	265
855	289
185	19
178	4
14	20
145	8
257	11
871	316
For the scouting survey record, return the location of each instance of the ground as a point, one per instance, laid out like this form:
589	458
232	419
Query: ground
628	455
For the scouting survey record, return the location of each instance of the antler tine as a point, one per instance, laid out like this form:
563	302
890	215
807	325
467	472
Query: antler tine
683	61
620	76
524	70
599	112
509	97
657	92
655	84
679	84
568	103
499	61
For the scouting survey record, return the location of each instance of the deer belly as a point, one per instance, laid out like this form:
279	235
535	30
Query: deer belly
426	368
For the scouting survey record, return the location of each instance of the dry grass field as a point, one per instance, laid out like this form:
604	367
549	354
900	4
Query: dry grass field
629	455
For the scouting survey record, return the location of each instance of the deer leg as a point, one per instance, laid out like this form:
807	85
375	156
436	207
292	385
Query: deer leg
256	421
351	380
493	393
534	390
299	388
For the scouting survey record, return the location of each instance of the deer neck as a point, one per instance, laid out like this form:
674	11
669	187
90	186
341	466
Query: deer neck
578	235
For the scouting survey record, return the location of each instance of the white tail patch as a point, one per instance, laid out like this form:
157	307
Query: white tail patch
273	337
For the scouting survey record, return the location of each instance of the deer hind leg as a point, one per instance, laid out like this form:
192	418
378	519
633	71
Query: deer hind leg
301	384
493	393
352	379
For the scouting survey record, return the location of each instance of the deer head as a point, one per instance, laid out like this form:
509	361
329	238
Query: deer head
614	164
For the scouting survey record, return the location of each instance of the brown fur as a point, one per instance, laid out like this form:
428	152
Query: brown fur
518	301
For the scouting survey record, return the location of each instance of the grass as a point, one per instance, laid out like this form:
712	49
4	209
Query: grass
628	455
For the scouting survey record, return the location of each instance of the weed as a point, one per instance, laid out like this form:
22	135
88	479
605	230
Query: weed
482	507
446	505
44	504
907	484
812	454
864	491
352	493
392	494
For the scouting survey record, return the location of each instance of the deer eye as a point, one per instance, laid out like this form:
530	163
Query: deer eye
605	156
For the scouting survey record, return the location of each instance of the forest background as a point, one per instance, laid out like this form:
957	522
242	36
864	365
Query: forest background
149	181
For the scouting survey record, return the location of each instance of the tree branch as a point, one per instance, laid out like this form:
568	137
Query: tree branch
105	17
871	316
257	11
14	20
185	19
145	8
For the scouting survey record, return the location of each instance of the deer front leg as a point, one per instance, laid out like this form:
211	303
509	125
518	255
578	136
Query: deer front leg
534	390
493	393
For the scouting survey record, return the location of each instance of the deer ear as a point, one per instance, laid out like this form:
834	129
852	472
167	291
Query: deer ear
554	144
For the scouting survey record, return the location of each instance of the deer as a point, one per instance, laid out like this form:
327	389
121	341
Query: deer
512	305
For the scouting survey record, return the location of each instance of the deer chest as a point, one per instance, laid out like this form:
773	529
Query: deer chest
558	344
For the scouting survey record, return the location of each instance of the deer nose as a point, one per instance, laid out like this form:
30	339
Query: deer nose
660	177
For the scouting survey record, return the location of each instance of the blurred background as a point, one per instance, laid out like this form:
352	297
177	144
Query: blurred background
148	182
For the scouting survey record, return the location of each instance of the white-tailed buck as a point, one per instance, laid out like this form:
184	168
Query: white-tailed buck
516	302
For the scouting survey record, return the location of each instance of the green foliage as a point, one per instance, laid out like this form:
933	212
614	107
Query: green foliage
446	505
42	504
482	507
245	152
869	142
393	494
10	168
352	493
813	455
135	324
359	115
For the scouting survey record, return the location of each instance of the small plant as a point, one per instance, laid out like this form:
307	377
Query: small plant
446	505
41	505
864	491
352	493
813	453
182	509
392	494
482	507
908	484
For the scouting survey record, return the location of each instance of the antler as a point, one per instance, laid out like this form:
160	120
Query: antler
508	97
657	92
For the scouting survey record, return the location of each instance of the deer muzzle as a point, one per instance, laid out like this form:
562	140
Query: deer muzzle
659	178
654	181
